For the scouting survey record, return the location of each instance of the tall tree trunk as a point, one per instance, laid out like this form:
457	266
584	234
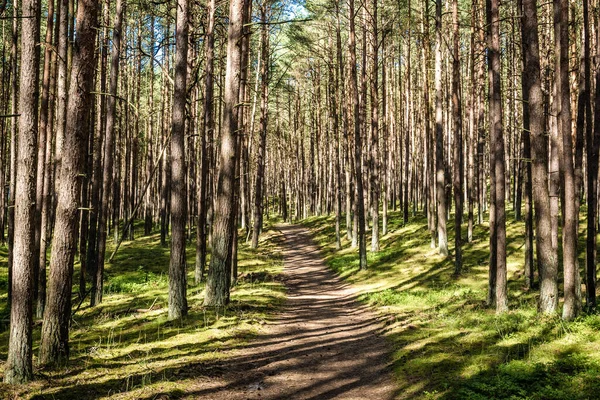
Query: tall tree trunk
54	347
526	162
592	147
375	187
572	305
439	133
109	142
209	127
458	143
360	203
39	263
217	285
498	163
546	255
19	364
177	267
263	125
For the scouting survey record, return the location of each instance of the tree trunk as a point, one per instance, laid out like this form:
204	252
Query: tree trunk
19	364
458	144
439	133
526	83
498	163
109	143
360	203
39	263
217	285
546	255
375	187
177	267
209	126
262	130
572	305
54	347
592	147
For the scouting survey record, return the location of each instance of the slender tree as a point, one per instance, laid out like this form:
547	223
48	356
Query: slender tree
358	178
54	347
458	142
263	125
217	285
19	363
177	267
593	147
109	143
209	127
439	133
497	268
572	285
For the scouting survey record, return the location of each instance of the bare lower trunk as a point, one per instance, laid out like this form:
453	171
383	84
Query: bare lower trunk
546	255
217	285
439	133
54	347
177	267
19	363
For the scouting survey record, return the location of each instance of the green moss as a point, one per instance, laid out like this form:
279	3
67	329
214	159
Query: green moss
126	345
448	343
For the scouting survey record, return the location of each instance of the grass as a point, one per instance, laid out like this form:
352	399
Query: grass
126	348
447	343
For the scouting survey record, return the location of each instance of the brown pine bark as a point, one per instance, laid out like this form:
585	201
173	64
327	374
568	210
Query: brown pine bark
498	163
429	139
54	347
375	186
360	203
572	286
262	130
593	147
209	126
546	255
440	164
217	285
177	267
526	83
107	175
39	263
19	364
458	143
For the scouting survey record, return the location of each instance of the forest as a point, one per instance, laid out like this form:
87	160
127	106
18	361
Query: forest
302	199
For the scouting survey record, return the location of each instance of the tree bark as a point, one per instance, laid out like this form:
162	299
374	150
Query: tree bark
458	143
177	267
19	364
209	127
54	347
262	130
498	163
360	203
439	133
217	285
572	286
107	175
593	147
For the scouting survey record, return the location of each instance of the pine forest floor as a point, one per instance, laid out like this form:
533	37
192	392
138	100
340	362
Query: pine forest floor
447	343
405	328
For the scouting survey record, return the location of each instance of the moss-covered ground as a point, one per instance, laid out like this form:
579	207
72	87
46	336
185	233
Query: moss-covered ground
447	343
125	348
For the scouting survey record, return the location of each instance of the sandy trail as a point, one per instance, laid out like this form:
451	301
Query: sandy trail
323	344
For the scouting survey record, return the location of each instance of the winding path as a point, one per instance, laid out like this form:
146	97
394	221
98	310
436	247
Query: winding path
323	345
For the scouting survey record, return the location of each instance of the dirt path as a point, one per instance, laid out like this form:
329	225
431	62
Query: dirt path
324	345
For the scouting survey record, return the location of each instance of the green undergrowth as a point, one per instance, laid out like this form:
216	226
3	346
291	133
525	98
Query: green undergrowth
126	348
447	343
